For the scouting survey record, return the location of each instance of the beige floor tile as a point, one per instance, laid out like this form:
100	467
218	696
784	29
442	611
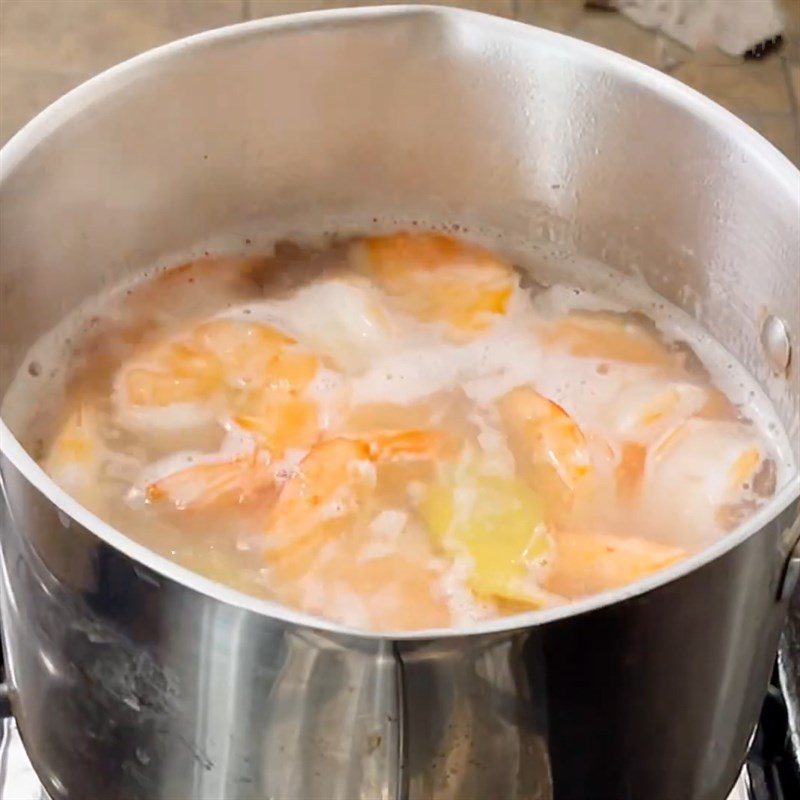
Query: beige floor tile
90	35
49	46
266	8
615	32
781	130
790	50
753	87
793	72
713	56
791	13
555	15
25	91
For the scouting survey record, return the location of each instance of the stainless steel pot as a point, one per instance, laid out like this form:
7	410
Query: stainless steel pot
132	678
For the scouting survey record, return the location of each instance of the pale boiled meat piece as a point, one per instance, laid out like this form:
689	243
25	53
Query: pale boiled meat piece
696	472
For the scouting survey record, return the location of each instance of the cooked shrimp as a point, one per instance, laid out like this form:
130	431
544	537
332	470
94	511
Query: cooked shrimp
77	452
195	287
406	445
174	375
327	563
376	573
609	337
213	483
325	488
188	379
395	591
550	436
255	356
439	279
711	466
331	483
640	414
278	420
629	473
585	563
644	410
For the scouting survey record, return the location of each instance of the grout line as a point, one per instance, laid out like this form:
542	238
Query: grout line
793	103
765	114
246	11
790	87
519	8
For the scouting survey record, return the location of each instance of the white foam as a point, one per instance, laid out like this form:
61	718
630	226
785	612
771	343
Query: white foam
344	321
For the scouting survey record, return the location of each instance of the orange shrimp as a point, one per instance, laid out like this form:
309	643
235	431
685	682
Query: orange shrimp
608	337
405	445
194	377
331	484
207	357
629	472
278	420
551	437
325	488
254	356
212	484
196	287
177	371
585	563
76	454
437	278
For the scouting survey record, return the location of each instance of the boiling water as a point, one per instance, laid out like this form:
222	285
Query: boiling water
401	432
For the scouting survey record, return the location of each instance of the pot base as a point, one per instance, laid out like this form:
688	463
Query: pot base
18	781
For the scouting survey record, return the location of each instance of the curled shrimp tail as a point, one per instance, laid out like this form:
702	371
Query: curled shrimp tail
213	484
406	445
333	482
551	436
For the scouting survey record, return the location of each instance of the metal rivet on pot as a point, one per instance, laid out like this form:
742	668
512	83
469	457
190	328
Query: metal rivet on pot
776	344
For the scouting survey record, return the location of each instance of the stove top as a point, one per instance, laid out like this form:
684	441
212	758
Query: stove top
772	763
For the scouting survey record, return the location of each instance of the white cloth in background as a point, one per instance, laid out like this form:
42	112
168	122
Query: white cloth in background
18	781
734	26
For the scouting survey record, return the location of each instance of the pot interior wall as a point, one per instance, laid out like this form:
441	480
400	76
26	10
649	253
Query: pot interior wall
380	119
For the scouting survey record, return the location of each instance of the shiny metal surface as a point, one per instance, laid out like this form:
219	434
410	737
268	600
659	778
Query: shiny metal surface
18	780
791	576
133	679
777	342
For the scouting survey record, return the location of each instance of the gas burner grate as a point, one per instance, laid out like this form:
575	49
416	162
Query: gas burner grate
771	766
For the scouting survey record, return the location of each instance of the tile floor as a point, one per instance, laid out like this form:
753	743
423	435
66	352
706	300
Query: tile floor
49	46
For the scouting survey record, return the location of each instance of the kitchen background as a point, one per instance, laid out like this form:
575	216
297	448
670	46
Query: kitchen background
49	46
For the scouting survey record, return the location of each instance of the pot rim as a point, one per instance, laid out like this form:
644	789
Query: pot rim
50	119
